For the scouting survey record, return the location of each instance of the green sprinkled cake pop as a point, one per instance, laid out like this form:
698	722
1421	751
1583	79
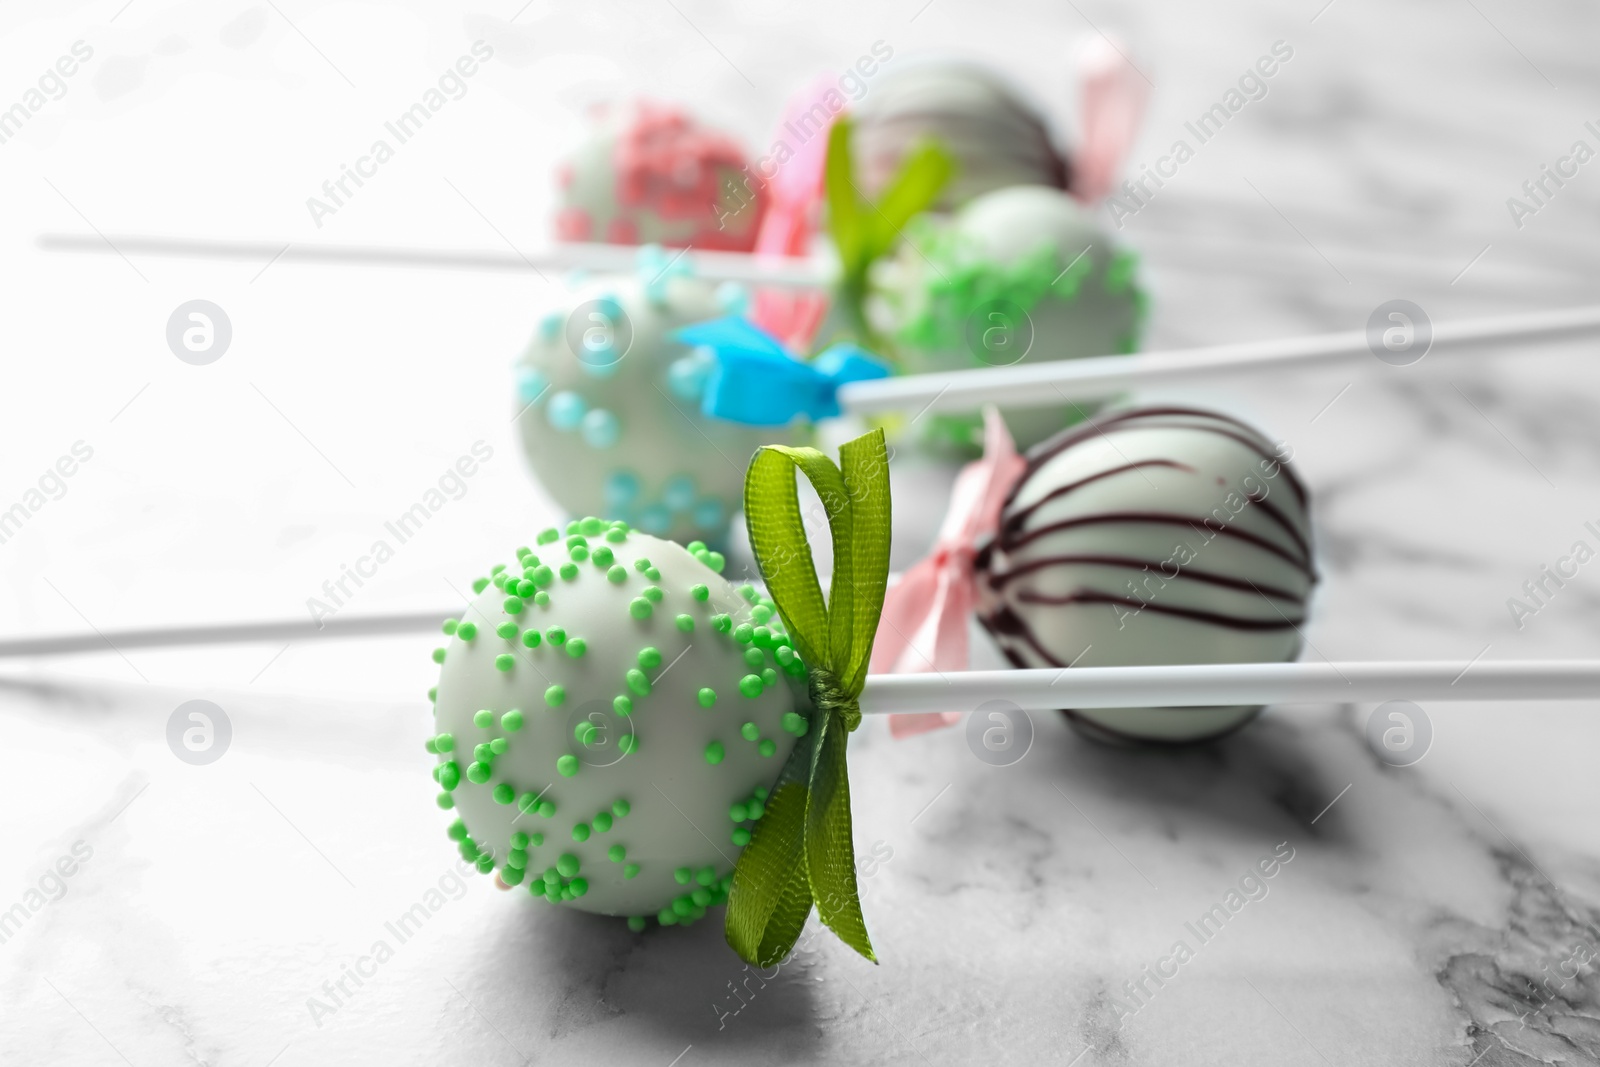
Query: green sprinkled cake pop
614	744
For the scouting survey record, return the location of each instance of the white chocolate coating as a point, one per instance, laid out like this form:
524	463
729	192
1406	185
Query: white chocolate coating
1022	274
1154	536
997	138
677	801
610	409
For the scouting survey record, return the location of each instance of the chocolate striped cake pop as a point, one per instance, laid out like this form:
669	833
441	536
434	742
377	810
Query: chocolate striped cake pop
610	715
1151	536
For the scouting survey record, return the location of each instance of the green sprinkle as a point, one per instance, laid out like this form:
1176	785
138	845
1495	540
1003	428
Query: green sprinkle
480	584
616	535
575	540
483	753
580	832
519	839
715	561
450	775
630	870
433	694
751	685
741	837
445	742
761	613
541	598
527	802
579	887
579	553
591	526
602	822
483	718
504	794
641	564
467	631
485	864
769	677
449	626
556	695
511	875
636	923
755	808
457	831
760	792
584	732
638	682
602	557
701	592
504	661
653	593
445	800
531	638
785	655
525	588
546	808
701	897
622	706
744	633
715	753
666	917
738	813
567	765
616	853
569	571
497	569
543	576
578	646
639	608
438	655
498	746
620	807
794	723
513	605
722	623
754	657
511	721
706	876
767	747
536	839
684	623
556	635
707	697
478	772
567	865
507	630
695	546
750	731
748	591
547	535
617	574
682	875
628	744
649	657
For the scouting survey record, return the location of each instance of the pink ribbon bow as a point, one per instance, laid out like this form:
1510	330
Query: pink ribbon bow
924	623
1113	98
794	203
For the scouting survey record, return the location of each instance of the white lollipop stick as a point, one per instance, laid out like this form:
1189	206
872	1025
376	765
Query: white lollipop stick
1225	684
225	634
780	272
1048	383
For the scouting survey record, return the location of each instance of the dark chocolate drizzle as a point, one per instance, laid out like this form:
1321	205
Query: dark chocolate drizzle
1011	629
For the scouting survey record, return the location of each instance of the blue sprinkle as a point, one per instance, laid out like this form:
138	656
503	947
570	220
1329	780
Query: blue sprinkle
686	376
709	514
678	492
601	429
655	519
621	489
566	410
550	326
733	298
531	384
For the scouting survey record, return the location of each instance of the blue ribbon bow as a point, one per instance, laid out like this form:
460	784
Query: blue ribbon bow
756	381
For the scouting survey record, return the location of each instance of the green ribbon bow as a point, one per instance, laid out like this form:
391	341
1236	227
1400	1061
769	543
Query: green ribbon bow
801	852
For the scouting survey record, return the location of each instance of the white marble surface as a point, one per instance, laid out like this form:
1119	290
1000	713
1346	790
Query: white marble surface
216	901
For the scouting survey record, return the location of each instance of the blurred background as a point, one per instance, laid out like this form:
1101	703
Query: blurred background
1378	165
